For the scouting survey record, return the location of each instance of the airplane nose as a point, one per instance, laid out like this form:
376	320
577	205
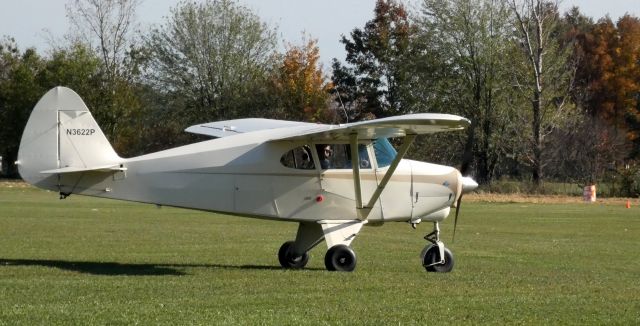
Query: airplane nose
468	184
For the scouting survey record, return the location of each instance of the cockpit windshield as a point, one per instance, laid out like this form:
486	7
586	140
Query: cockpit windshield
385	153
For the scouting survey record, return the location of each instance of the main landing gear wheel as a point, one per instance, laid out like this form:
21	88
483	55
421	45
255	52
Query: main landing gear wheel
433	263
286	258
340	258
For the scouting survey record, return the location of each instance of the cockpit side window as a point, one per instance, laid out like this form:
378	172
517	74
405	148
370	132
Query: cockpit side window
385	153
298	158
338	156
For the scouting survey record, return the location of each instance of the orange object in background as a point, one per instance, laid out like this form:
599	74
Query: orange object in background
589	193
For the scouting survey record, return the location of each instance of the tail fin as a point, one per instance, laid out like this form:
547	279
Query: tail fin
61	136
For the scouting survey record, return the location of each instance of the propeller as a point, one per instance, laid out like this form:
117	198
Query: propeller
468	184
455	221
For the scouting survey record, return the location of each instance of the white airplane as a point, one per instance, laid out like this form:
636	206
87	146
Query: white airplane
269	169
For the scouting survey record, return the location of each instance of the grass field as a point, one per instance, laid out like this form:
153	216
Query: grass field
90	261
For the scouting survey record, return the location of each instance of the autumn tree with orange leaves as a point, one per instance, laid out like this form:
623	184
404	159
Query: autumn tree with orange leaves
301	85
608	76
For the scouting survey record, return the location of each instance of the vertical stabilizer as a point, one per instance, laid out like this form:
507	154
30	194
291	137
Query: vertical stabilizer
61	133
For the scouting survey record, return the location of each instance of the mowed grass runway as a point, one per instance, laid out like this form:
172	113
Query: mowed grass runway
91	261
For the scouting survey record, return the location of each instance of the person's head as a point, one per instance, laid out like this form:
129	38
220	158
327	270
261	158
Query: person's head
327	151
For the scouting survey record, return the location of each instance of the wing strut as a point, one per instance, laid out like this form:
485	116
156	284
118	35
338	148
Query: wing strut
363	212
355	164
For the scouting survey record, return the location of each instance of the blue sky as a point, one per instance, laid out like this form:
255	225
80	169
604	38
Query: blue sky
34	22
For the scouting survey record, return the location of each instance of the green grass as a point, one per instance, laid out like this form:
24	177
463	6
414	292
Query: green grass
90	261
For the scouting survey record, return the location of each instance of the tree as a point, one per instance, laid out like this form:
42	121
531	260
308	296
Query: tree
378	55
19	92
109	23
542	74
584	151
76	67
302	87
576	32
105	27
620	93
212	60
608	76
460	45
626	54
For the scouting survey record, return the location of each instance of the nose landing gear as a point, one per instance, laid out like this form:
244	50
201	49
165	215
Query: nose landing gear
436	257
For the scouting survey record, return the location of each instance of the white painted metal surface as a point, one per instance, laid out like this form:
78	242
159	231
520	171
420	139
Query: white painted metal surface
256	167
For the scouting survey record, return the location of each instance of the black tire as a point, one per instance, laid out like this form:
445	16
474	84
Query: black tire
340	258
432	255
423	254
287	260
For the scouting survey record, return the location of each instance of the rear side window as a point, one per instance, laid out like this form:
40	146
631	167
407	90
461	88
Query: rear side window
338	156
298	158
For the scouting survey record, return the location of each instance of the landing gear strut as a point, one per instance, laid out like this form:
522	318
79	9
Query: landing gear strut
435	257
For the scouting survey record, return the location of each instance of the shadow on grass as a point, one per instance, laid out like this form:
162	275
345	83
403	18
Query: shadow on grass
115	269
96	268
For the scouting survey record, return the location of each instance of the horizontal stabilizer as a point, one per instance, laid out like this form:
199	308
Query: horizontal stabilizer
71	169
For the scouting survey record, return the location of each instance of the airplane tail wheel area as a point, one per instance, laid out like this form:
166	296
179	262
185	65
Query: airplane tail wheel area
286	258
433	263
340	258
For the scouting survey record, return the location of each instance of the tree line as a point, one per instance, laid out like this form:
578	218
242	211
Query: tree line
550	95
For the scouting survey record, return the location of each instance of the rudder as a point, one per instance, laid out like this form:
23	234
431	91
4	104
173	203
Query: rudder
61	133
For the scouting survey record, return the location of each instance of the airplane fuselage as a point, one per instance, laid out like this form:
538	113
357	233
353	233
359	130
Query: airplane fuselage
330	179
241	175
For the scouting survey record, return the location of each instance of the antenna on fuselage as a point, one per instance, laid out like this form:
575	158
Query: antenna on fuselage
346	116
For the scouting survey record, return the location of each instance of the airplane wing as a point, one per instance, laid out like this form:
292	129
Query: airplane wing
227	128
398	126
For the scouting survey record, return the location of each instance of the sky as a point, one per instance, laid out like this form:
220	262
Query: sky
34	23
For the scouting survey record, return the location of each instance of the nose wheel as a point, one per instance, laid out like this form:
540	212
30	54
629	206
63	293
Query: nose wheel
435	256
433	261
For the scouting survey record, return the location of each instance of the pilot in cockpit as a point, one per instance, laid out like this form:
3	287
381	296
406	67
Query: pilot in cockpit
324	153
